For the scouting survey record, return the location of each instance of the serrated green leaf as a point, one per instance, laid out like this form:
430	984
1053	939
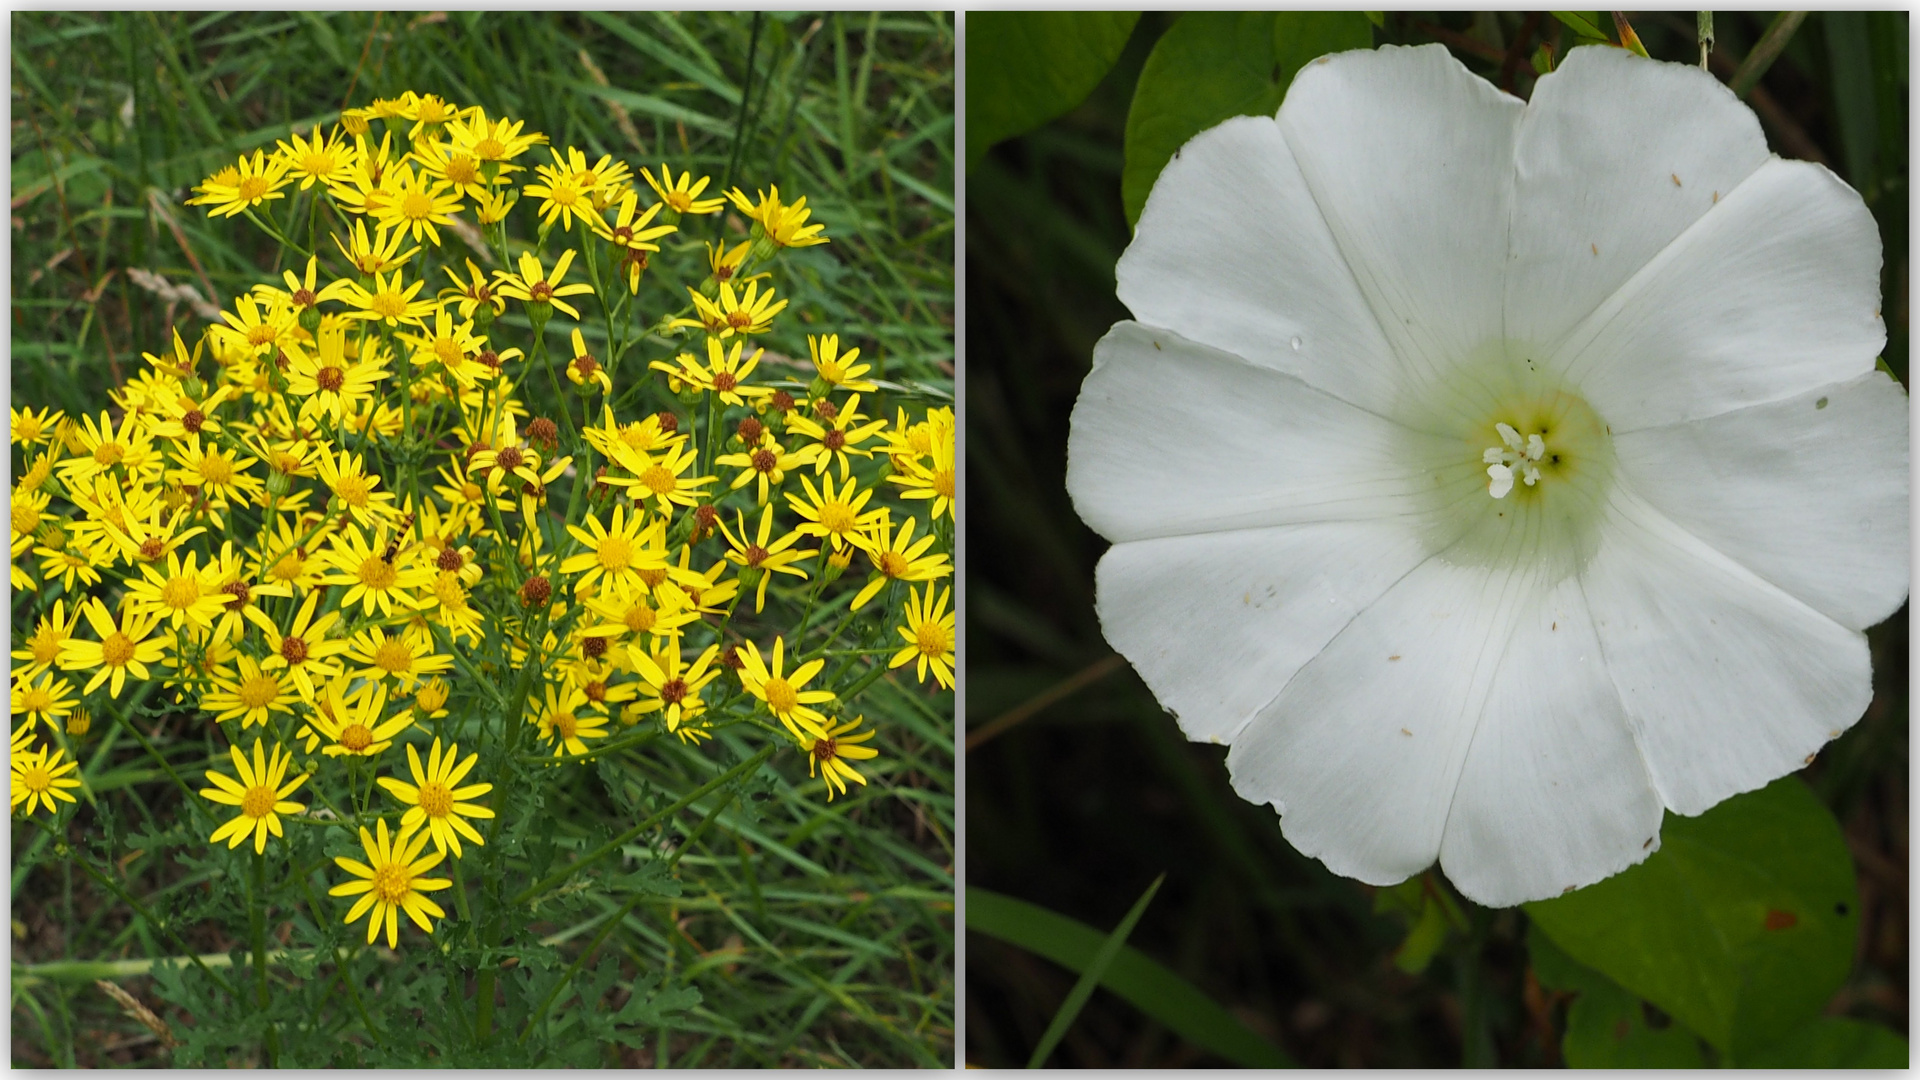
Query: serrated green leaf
1026	67
1741	926
1214	65
1608	1028
1833	1042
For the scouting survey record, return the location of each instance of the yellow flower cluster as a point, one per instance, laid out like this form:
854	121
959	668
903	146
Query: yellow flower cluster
344	507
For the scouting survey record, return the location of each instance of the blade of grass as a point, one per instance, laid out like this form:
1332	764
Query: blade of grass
1096	967
1144	982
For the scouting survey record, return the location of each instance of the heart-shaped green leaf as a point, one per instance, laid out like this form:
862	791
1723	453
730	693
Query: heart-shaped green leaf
1026	67
1213	65
1741	926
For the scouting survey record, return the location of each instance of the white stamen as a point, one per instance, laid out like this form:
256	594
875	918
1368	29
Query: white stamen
1521	455
1501	480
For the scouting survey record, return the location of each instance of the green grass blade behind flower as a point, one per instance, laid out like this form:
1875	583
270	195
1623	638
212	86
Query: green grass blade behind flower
1090	977
1132	975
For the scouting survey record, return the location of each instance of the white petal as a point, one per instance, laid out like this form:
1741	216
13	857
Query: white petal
1410	158
1730	682
1362	752
1554	794
1170	437
1605	137
1810	493
1217	623
1774	292
1232	252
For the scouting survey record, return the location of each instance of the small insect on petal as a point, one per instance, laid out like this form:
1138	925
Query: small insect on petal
1647	845
1676	179
1595	247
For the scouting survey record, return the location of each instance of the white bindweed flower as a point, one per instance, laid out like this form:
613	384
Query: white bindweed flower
1491	475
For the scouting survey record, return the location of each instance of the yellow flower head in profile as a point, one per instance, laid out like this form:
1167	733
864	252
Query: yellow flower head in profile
836	367
830	750
584	368
682	196
39	777
784	223
435	799
390	882
240	187
377	255
258	793
929	633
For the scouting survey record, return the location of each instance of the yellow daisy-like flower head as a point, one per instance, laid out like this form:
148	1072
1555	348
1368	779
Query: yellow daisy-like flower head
783	693
436	800
929	633
390	882
259	794
830	750
897	556
760	557
43	700
934	479
416	202
378	574
564	719
29	429
563	197
618	554
126	646
322	159
747	312
834	515
671	688
389	301
40	777
353	724
251	695
535	286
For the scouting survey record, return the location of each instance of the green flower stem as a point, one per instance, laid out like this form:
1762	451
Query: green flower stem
638	739
141	910
460	893
257	918
611	846
866	680
608	926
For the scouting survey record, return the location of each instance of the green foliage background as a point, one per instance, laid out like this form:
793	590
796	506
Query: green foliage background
1081	790
807	933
